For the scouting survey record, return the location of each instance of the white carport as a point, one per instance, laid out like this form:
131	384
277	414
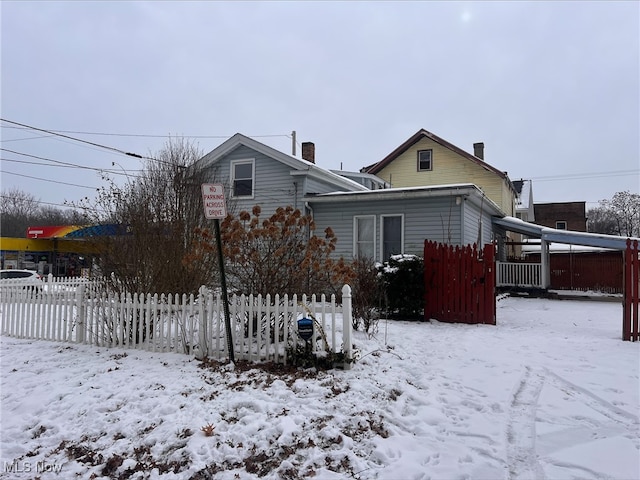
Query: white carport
539	275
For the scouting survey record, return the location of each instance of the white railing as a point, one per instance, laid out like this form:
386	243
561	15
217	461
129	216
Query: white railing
263	328
525	275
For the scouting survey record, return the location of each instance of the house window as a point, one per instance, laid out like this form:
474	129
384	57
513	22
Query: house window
364	244
424	160
242	175
561	225
392	235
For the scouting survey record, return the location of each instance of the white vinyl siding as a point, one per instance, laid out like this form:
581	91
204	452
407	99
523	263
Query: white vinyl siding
364	243
392	232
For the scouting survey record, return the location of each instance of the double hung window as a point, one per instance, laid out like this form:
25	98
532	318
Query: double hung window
364	243
242	178
425	160
391	236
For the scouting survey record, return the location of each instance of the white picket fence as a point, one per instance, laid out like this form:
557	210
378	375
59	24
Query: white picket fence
263	328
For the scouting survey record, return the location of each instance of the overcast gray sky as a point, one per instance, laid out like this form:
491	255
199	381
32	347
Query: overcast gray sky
551	88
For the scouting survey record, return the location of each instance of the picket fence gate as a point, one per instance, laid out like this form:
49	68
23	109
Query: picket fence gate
263	328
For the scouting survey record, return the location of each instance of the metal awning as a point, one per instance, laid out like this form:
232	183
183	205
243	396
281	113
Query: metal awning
570	237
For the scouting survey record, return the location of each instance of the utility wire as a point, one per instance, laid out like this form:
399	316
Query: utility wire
586	176
113	149
101	170
74	165
49	180
77	208
159	136
72	138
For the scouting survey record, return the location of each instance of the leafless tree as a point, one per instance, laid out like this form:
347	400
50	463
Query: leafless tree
600	220
17	202
20	210
153	219
618	216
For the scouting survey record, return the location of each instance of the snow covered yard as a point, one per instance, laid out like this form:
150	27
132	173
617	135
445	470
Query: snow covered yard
550	392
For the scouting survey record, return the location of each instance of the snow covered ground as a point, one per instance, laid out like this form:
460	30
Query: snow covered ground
551	392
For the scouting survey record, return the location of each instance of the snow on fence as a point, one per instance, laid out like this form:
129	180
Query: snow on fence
263	328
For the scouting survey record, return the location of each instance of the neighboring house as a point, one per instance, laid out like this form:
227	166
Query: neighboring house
524	200
256	174
374	223
427	160
562	216
524	211
372	182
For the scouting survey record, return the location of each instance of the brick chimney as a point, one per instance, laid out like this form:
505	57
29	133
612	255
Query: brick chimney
309	152
478	150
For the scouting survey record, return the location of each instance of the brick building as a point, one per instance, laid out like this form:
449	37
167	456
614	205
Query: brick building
563	215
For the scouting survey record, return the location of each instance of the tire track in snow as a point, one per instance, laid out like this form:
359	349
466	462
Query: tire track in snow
618	422
607	409
522	458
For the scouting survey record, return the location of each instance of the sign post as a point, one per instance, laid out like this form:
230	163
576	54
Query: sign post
215	208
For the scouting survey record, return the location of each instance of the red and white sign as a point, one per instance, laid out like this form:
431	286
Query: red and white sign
213	201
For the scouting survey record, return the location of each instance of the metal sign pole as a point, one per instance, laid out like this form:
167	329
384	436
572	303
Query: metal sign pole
225	298
215	208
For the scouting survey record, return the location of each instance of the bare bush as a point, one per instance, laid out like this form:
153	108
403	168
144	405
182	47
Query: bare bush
277	255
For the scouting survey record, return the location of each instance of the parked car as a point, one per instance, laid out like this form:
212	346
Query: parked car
21	278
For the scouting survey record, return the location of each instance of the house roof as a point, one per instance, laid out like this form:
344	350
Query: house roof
419	135
467	190
298	167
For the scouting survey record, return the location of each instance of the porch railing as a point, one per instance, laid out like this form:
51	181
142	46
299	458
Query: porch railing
525	275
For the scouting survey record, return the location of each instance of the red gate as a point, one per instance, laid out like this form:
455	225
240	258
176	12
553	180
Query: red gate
630	321
459	283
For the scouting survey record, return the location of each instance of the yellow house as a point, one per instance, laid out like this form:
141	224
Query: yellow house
426	160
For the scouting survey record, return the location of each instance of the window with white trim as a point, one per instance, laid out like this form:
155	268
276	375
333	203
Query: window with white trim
561	225
364	241
242	178
392	235
425	160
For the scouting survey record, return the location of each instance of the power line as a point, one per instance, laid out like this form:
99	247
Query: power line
74	207
101	170
585	176
21	139
75	165
65	164
159	136
48	180
75	139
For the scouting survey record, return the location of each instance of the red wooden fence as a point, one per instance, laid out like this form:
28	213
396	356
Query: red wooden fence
630	319
460	283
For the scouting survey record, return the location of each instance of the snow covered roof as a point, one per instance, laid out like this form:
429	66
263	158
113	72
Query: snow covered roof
513	224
